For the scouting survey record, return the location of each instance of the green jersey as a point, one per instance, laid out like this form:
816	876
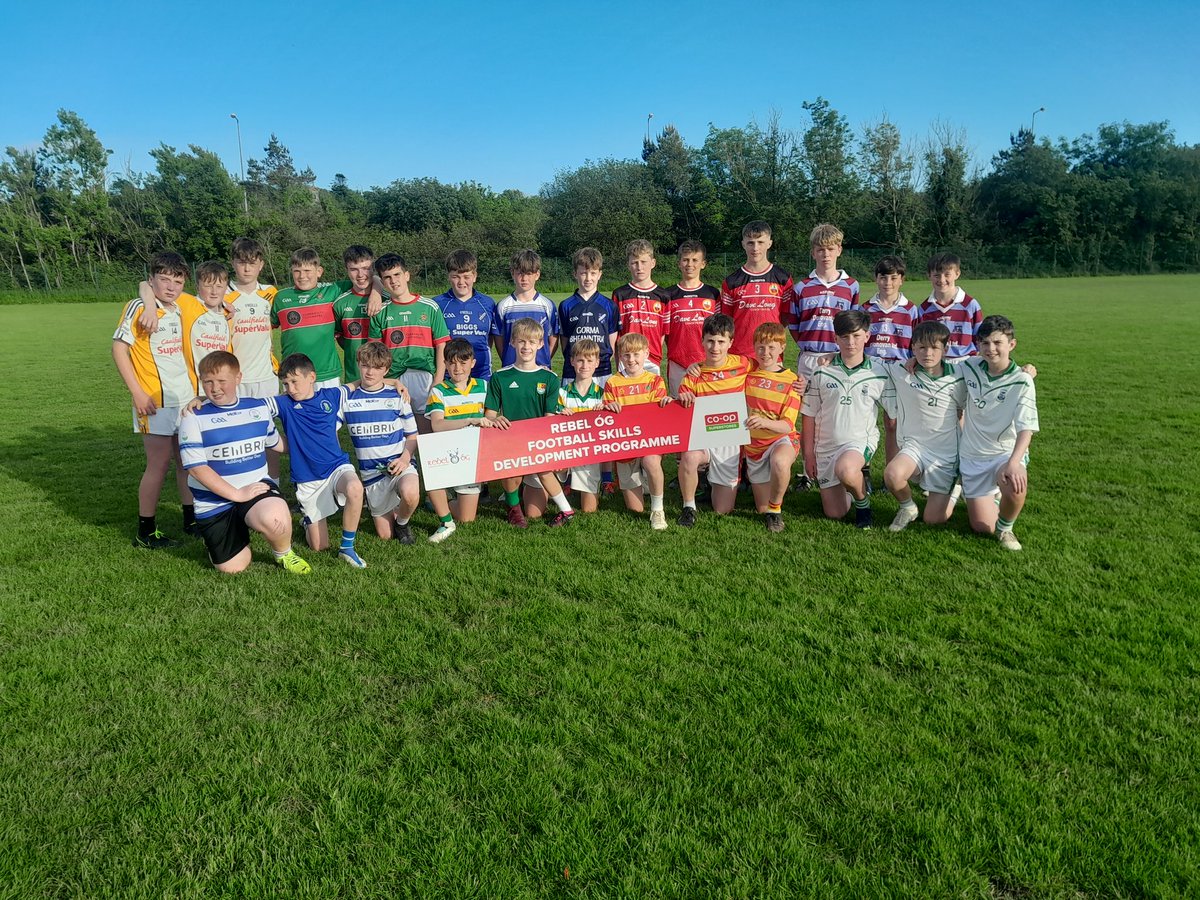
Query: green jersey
517	394
412	331
306	325
353	327
457	403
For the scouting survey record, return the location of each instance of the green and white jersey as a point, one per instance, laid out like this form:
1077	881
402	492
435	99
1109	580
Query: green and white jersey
842	403
926	408
306	325
457	403
572	400
518	394
998	408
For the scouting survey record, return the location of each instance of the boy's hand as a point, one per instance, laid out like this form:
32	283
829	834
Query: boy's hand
374	303
824	360
612	406
250	491
1029	369
800	385
693	370
1015	475
192	405
500	422
485	422
144	404
400	463
757	421
664	401
686	399
910	365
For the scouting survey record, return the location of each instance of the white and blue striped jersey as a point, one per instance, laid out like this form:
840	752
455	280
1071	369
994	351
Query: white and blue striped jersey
379	422
541	310
232	441
311	428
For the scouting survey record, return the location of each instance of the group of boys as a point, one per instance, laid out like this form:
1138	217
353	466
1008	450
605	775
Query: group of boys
958	413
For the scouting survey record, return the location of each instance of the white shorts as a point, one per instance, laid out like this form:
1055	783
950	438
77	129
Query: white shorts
466	489
260	389
321	499
758	471
723	465
586	479
937	473
328	382
675	373
808	362
981	475
630	475
418	383
383	494
164	421
535	480
826	463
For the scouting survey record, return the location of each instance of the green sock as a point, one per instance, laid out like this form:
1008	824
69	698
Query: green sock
1003	524
864	503
447	519
513	498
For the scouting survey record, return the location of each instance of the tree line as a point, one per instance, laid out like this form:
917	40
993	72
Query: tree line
1125	198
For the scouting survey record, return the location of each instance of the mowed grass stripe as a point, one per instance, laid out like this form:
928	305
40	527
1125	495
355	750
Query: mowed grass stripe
709	712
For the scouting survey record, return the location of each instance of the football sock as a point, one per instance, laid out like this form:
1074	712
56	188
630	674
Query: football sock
147	525
512	498
864	503
689	504
561	501
774	507
348	539
280	554
447	519
1003	524
403	521
656	502
908	504
189	514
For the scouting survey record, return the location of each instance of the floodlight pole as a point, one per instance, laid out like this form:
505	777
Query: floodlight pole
241	165
649	116
1033	121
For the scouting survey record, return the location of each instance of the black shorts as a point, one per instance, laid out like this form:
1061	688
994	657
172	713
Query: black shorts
226	534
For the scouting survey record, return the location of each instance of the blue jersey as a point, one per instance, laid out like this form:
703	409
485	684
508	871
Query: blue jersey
311	427
541	310
232	441
378	422
594	319
475	321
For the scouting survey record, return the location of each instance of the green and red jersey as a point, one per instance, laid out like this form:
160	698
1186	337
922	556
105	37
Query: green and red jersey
412	331
353	327
306	325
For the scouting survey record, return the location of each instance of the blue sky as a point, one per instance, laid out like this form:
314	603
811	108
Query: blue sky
508	95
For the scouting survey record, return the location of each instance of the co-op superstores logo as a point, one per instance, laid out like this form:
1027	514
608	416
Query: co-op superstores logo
724	421
449	458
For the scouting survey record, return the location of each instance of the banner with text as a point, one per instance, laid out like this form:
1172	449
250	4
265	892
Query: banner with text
472	455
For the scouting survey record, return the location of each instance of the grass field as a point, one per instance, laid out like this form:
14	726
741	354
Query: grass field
604	711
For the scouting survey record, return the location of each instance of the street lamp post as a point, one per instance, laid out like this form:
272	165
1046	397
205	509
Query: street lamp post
1033	120
649	116
241	165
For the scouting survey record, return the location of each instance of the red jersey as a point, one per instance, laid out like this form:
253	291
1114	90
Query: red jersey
645	312
687	310
727	379
752	299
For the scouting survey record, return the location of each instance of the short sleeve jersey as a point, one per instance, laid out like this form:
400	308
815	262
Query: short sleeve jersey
962	315
379	423
687	308
457	403
998	408
207	331
159	359
474	321
891	328
645	311
816	303
541	310
518	394
250	331
311	427
353	327
771	395
594	319
752	299
412	331
926	408
729	378
842	403
645	388
572	400
306	325
232	441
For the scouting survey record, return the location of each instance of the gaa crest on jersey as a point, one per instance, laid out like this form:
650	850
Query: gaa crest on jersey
293	317
541	387
706	304
1000	396
354	329
424	318
396	338
657	306
327	406
773	289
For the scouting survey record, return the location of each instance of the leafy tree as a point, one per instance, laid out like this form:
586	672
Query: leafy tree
892	207
828	144
949	193
200	204
604	204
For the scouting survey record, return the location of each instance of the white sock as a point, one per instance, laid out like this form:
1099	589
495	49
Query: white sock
689	504
656	501
560	500
908	504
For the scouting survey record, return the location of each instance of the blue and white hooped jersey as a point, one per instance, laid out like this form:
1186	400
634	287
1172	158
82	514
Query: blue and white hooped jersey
232	441
379	422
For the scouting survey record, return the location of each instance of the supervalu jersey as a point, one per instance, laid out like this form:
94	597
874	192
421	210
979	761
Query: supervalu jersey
306	325
207	331
810	319
250	331
230	440
160	360
457	403
474	321
523	394
311	427
998	408
752	299
842	403
925	408
379	422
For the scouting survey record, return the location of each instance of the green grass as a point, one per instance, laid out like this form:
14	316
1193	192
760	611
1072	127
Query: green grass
605	711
